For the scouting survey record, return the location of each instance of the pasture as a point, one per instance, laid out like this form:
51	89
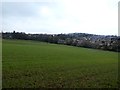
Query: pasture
33	64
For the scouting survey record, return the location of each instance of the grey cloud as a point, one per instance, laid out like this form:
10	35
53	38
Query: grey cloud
25	9
19	9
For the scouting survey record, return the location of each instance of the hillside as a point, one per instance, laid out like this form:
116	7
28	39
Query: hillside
33	64
103	42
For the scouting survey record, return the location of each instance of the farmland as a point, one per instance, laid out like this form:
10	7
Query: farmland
32	64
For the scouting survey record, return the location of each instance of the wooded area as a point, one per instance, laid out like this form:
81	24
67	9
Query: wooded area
111	43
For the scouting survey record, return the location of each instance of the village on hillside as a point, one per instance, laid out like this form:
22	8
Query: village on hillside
104	42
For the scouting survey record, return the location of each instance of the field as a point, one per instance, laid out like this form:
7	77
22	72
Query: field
32	64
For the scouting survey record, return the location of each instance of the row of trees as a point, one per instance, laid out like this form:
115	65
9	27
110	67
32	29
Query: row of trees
111	43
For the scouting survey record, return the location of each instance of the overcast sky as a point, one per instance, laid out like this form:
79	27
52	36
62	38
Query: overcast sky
61	16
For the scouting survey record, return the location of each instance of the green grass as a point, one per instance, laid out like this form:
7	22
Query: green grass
32	64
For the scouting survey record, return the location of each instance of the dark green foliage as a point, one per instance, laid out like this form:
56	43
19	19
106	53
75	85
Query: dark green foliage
75	39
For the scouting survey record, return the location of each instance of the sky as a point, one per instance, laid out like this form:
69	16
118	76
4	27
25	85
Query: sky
60	16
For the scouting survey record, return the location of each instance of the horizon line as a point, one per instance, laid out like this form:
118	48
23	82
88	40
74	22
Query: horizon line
57	33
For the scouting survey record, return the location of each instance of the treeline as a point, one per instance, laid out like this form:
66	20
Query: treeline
111	43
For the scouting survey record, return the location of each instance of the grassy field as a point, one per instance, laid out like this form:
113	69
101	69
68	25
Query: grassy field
30	64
